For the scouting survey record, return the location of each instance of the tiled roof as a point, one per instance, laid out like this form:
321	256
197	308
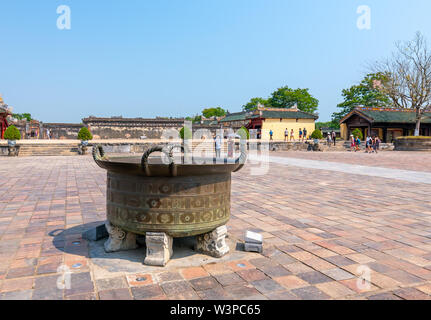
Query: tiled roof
237	116
269	113
389	115
283	113
272	114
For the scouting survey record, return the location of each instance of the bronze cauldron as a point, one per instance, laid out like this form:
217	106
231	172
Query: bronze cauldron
146	196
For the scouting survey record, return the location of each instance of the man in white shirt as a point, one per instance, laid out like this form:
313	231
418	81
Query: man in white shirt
329	139
218	146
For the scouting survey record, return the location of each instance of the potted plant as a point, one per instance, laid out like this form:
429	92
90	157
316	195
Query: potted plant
12	134
84	135
358	134
185	133
316	136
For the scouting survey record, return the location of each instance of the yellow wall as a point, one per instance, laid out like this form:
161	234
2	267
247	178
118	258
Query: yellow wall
343	131
278	127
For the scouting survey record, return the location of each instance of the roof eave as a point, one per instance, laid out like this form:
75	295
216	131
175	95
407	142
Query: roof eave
355	111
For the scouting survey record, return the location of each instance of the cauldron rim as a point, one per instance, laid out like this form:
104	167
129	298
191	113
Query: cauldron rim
133	165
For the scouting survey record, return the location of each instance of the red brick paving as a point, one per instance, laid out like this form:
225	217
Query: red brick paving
319	229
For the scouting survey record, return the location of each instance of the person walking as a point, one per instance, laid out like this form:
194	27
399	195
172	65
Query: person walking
378	143
304	133
300	134
334	137
292	135
357	144
286	135
270	134
218	146
375	144
352	142
328	139
368	145
230	144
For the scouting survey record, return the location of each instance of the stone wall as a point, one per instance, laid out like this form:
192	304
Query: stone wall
137	128
112	128
37	130
61	130
4	150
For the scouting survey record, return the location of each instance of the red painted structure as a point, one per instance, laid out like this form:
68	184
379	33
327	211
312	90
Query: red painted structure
3	122
3	126
256	124
4	113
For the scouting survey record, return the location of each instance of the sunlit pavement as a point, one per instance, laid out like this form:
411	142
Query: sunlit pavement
324	225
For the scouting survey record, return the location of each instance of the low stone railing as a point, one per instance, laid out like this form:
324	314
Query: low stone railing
140	146
413	144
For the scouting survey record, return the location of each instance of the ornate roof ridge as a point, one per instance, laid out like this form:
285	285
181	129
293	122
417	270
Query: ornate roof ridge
383	109
278	109
293	109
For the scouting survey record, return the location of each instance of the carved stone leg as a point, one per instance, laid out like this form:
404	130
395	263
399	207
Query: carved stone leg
119	239
159	248
213	243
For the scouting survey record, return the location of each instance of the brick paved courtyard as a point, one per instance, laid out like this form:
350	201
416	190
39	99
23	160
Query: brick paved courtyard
321	228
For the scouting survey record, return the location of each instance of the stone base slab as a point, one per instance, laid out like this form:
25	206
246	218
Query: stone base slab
253	247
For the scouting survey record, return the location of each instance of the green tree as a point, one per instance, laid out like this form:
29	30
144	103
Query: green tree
22	116
252	104
12	133
365	94
286	97
328	124
84	134
211	112
195	119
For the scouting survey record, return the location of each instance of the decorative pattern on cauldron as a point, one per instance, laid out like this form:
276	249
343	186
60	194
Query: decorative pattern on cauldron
163	201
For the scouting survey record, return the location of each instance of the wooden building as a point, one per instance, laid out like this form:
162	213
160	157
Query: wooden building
387	124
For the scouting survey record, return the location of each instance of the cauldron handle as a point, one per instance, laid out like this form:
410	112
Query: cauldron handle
98	152
241	159
144	161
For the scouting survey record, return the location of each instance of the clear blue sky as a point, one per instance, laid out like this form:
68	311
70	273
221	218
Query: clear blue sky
173	58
